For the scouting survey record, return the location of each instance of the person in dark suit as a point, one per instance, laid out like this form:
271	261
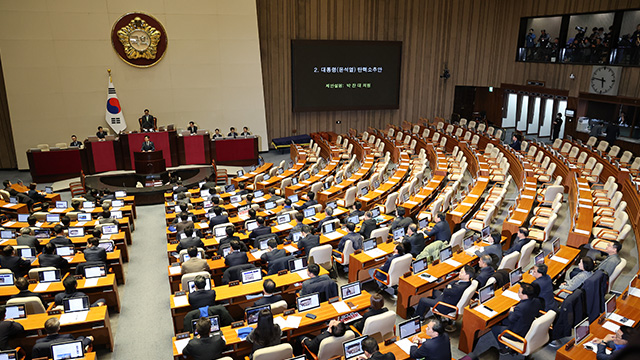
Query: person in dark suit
613	131
313	270
557	125
75	142
261	229
298	226
232	133
486	270
516	144
180	188
245	131
274	252
204	346
414	241
372	350
34	194
184	223
356	209
60	239
71	291
617	342
201	297
8	329
219	218
356	239
336	328
266	332
242	189
230	230
450	295
217	134
328	211
376	308
147	121
287	207
441	230
544	282
42	348
312	201
397	252
27	238
520	241
437	347
16	264
101	134
493	248
189	240
23	285
368	225
308	240
147	145
236	257
400	221
50	258
193	129
93	252
268	296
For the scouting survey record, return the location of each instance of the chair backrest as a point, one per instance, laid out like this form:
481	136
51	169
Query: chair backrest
472	125
467	136
463	122
331	347
379	326
436	137
416	129
180	254
481	127
490	130
566	147
602	146
613	152
399	266
475	139
624	233
592	141
276	352
552	191
574	152
510	261
399	136
321	254
465	299
626	157
458	131
525	256
32	304
350	196
538	334
390	203
43	147
449	129
616	272
597	170
425	133
523	146
279	307
191	276
582	157
457	237
551	169
346	251
556	144
34	273
382	233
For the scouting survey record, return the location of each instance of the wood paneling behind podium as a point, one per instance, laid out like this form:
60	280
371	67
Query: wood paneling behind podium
7	151
475	38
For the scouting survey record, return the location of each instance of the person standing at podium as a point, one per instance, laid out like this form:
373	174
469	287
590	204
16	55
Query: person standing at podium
193	129
147	145
147	121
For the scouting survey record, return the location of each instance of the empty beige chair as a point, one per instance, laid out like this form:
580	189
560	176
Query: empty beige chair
390	132
390	203
435	138
616	273
536	337
546	211
321	255
62	145
425	133
276	352
607	221
595	174
573	153
626	157
557	143
523	146
618	236
43	147
449	129
279	307
467	136
614	151
603	146
490	131
32	304
477	224
463	122
592	141
399	136
459	132
455	312
283	185
457	238
612	233
474	141
380	326
472	125
605	190
510	261
481	127
331	347
184	281
582	158
342	258
540	235
525	255
499	136
547	176
34	273
415	129
549	195
566	148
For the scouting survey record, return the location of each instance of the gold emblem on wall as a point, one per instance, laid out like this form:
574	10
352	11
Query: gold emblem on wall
139	39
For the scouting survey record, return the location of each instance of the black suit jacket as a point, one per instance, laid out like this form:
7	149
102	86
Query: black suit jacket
402	222
28	293
29	240
451	295
546	292
309	242
236	258
54	260
274	254
327	218
314	344
307	204
61	240
520	319
193	129
441	231
200	298
18	265
380	356
484	275
188	242
9	329
147	122
205	348
148	146
268	300
217	220
42	348
367	227
260	230
517	245
96	254
417	243
438	348
64	295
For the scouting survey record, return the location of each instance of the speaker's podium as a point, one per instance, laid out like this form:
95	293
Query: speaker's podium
151	169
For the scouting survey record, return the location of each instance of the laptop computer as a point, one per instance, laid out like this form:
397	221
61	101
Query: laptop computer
215	324
109	229
419	265
53	218
296	236
252	225
309	212
398	234
250	276
76	232
80	303
49	276
107	245
95	271
88	205
283	219
235	199
120	194
354	219
446	254
328	227
581	331
220	232
350	290
6	279
13	312
192	285
23	217
251	314
241	173
67	350
308	302
229	188
369	244
407	329
84	217
41	233
555	246
297	264
486	233
7	234
48	189
116	214
62	205
515	276
117	203
353	348
27	253
294	198
539	258
486	293
270	205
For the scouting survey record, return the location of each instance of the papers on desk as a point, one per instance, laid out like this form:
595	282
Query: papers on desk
105	237
511	295
634	292
333	235
260	199
375	253
483	179
57	210
486	312
341	307
472	250
512	221
522	210
204	225
283	227
181	300
8	224
290	249
91	282
174	270
303	274
409	202
39	224
41	287
619	319
365	198
473	195
378	191
81	223
405	345
527	197
613	327
452	262
430	278
9	205
181	344
258	254
559	259
74	317
421	197
339	186
456	213
467	204
4	241
293	321
579	231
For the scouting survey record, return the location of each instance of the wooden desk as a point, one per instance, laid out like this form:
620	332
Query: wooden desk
338	190
464	208
475	324
424	196
250	175
13	209
360	264
583	219
302	187
394	182
114	261
520	214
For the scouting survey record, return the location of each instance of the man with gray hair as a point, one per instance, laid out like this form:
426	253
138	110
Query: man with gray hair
27	238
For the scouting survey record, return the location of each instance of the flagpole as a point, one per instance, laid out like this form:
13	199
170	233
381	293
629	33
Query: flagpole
109	71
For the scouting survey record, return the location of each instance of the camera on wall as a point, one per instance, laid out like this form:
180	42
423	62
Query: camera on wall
581	29
445	74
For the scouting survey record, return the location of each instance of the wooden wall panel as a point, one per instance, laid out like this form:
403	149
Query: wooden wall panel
476	39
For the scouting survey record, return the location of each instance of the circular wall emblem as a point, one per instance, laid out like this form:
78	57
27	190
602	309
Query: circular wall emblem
139	39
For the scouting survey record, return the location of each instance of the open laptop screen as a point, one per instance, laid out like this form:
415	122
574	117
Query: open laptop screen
298	264
398	234
515	276
15	312
251	276
308	302
76	232
68	350
419	265
486	293
252	313
49	276
409	328
80	303
6	279
192	285
84	217
369	244
581	330
215	324
94	271
446	254
350	290
353	348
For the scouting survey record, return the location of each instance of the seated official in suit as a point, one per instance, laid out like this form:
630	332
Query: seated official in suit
494	247
204	346
245	131
519	321
273	252
50	258
71	291
101	134
450	294
414	241
34	194
217	134
184	223
376	308
308	240
60	239
441	230
268	294
328	211
273	196
27	238
232	132
266	333
201	297
190	240
520	241
486	270
586	267
336	328
22	197
242	189
9	260
95	253
356	239
372	350
356	209
516	144
194	264
437	347
106	218
230	230
397	252
147	145
23	285
219	218
236	257
314	277
617	342
180	187
42	348
262	229
368	225
400	221
8	329
298	226
286	207
147	121
75	142
545	284
193	129
312	201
